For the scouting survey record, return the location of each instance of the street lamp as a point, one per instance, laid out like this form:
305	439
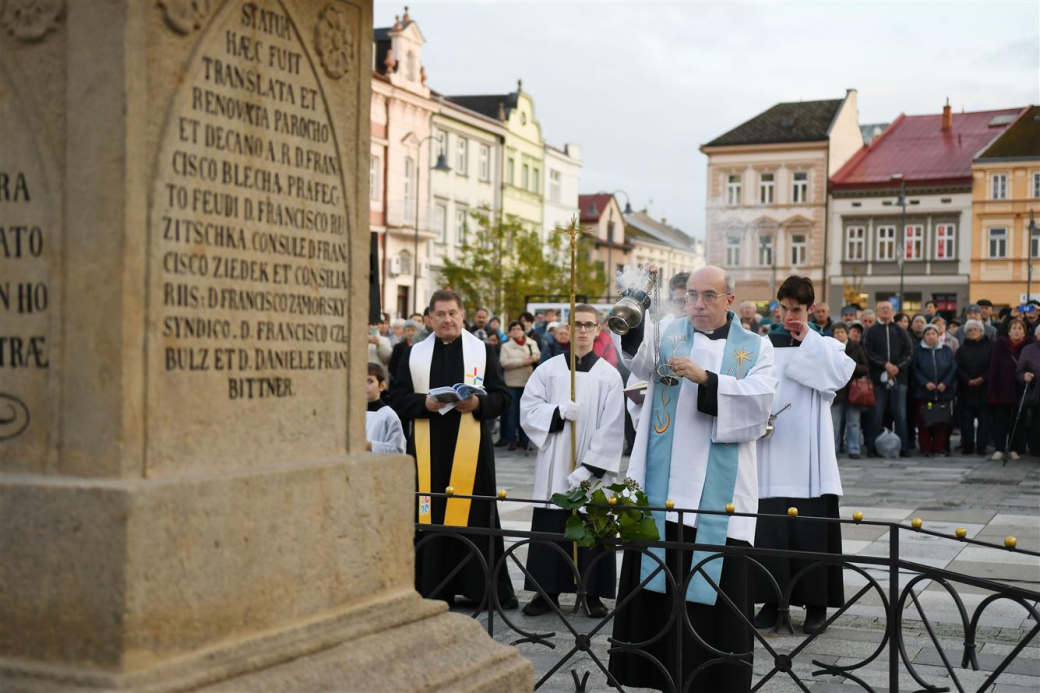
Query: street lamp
1029	264
902	235
442	165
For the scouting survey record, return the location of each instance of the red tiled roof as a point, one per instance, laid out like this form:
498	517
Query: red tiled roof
585	202
918	148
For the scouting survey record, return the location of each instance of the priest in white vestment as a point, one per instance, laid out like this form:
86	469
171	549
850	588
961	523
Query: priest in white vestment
546	409
798	464
695	445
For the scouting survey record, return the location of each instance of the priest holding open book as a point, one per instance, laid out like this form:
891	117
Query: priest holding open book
452	446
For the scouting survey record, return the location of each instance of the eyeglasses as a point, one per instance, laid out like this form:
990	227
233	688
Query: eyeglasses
709	297
585	326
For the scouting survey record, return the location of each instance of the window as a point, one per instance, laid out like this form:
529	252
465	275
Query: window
886	243
799	248
373	178
913	239
800	187
998	186
509	171
440	220
462	156
485	162
1034	244
1036	185
460	225
765	250
998	243
442	143
766	186
732	252
855	243
537	182
554	185
733	185
945	237
525	177
409	189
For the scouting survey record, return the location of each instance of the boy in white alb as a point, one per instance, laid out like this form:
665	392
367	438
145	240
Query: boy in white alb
383	431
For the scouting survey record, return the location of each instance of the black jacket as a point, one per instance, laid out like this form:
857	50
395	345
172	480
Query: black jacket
888	343
973	362
934	366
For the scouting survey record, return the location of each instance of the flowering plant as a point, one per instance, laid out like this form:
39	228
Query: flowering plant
622	513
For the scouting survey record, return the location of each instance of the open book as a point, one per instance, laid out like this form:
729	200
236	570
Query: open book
636	391
456	393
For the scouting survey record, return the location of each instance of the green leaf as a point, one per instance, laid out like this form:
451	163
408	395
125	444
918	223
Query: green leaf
647	529
588	541
599	497
574	529
617	488
567	502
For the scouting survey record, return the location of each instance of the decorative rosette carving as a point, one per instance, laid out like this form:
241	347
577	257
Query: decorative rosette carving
185	16
334	41
30	20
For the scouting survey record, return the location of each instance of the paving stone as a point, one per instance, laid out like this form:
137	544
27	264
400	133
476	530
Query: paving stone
1020	665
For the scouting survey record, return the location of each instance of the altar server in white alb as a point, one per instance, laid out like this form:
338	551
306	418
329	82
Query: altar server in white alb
545	412
797	464
711	388
383	430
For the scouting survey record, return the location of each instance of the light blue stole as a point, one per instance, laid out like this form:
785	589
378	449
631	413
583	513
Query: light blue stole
741	353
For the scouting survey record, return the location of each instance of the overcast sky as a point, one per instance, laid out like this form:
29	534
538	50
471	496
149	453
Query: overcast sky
640	86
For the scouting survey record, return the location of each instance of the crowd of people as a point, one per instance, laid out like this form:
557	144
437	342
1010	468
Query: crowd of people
735	410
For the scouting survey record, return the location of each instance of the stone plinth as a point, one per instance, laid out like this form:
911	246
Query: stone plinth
184	496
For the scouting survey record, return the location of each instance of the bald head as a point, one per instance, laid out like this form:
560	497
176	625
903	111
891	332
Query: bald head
710	295
717	276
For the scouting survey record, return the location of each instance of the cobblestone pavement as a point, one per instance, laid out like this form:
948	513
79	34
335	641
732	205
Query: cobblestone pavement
989	499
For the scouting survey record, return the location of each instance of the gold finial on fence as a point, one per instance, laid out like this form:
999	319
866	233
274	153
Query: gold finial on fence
857	516
916	523
792	511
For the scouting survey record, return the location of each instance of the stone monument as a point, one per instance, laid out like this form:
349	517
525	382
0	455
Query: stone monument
184	496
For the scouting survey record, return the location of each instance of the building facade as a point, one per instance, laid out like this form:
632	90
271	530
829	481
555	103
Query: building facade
879	252
523	160
655	242
471	144
562	173
1005	196
602	220
399	169
767	192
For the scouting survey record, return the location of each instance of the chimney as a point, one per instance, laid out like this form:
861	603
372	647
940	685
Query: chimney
947	121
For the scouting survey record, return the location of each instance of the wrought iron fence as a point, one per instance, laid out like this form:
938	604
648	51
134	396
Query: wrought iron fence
893	598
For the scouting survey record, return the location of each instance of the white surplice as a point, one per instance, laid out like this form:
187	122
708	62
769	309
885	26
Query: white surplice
601	424
383	429
744	407
799	460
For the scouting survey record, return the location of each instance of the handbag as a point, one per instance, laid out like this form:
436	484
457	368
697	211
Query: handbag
937	413
861	393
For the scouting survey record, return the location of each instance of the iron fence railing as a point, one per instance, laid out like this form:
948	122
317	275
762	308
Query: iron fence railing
894	599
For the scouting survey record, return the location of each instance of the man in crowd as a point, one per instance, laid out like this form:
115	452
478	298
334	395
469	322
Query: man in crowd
677	294
867	318
452	446
527	321
425	325
710	390
986	306
821	315
749	315
889	350
798	464
929	310
848	314
480	320
974	312
545	412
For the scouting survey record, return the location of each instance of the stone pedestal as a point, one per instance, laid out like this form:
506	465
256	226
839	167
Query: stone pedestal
184	496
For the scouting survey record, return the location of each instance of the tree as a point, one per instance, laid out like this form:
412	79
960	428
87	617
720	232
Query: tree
503	262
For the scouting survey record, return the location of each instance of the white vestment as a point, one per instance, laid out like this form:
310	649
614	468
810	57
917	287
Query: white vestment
799	460
744	407
601	424
383	429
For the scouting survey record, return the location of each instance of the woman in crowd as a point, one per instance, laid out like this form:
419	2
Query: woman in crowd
1029	376
841	411
972	372
518	357
945	338
903	320
934	375
917	327
1005	390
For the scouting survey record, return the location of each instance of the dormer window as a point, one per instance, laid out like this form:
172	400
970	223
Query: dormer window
410	66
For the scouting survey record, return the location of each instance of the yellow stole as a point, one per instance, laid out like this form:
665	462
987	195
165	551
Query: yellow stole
467	444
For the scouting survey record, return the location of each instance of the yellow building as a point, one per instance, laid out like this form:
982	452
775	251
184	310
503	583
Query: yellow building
1005	193
523	160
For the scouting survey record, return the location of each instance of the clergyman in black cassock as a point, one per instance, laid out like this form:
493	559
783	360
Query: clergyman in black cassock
439	556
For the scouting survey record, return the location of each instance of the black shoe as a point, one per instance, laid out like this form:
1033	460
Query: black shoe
766	617
540	605
814	618
502	442
904	453
596	608
871	453
510	603
854	456
967	451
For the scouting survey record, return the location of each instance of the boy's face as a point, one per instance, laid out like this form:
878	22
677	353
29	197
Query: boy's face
373	388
